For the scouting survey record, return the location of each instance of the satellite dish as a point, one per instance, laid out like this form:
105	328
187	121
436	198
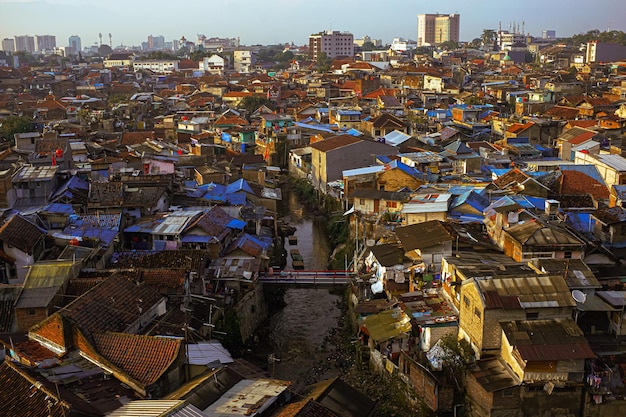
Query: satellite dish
579	296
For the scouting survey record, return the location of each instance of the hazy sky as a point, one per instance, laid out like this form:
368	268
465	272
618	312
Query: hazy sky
279	21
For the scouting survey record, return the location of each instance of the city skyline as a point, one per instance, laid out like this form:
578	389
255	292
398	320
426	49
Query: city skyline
130	23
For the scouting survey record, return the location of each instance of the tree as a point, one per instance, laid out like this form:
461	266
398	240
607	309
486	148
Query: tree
14	124
323	62
252	103
368	46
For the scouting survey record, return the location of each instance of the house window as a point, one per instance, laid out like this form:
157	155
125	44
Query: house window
31	311
477	313
362	201
392	204
466	301
532	315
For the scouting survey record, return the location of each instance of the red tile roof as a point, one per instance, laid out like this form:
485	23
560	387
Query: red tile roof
143	358
574	182
519	127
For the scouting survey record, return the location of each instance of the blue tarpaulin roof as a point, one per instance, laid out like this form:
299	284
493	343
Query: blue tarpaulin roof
236	224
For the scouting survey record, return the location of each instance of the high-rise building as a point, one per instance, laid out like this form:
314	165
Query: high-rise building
45	42
155	43
74	42
8	45
433	29
25	43
548	34
333	43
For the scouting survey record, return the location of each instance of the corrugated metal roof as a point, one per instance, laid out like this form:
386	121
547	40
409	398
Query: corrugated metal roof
525	292
157	408
617	162
205	353
248	397
547	340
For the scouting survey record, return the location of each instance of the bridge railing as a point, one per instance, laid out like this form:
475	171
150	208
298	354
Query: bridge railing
308	277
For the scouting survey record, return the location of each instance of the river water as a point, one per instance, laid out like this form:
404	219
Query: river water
300	333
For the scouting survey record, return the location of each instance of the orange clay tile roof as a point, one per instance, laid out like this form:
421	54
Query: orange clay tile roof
575	182
143	358
519	127
583	123
230	120
562	112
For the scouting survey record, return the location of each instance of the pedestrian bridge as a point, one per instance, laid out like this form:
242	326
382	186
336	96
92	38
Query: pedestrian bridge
308	277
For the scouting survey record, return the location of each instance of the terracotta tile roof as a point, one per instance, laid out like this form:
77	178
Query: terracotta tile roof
143	358
381	91
22	394
21	233
334	143
562	112
519	127
230	120
114	305
170	278
135	138
575	182
33	351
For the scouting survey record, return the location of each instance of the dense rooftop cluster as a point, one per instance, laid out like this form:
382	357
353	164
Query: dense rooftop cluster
484	196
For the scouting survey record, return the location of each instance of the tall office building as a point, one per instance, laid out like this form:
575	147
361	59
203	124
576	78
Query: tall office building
433	29
8	45
25	43
74	42
333	43
155	43
45	42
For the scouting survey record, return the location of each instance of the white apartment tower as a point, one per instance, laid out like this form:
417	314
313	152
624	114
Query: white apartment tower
8	45
333	43
433	29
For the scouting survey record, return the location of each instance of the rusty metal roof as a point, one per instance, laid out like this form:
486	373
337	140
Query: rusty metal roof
547	340
525	292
